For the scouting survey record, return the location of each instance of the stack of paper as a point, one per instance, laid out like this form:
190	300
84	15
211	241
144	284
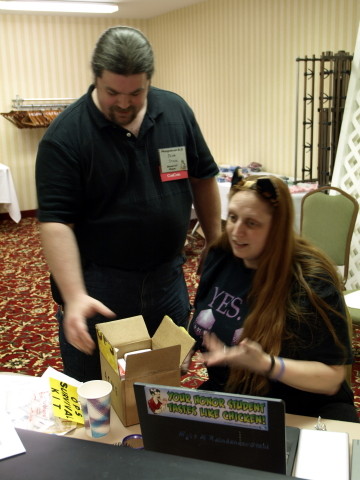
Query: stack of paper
10	443
322	455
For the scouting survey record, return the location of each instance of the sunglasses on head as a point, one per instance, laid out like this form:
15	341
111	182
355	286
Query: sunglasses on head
264	186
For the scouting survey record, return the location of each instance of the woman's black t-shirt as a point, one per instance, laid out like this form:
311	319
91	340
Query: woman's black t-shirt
221	307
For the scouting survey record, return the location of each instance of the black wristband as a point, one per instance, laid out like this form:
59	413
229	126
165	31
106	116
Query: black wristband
272	365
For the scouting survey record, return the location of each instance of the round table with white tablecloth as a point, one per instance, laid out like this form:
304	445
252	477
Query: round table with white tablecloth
8	194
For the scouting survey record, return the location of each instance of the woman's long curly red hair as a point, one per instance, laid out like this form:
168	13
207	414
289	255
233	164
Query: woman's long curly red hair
285	260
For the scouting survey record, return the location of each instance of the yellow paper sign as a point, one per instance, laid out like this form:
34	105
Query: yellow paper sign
65	403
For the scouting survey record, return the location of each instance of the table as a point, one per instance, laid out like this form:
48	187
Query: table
16	383
8	194
118	431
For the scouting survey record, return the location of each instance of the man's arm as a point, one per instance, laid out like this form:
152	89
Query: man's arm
62	255
206	199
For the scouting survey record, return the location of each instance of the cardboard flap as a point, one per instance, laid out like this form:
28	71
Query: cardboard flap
168	333
147	363
126	330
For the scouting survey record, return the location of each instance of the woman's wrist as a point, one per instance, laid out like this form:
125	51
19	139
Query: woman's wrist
276	368
271	366
277	372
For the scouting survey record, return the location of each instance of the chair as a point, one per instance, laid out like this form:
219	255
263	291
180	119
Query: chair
328	222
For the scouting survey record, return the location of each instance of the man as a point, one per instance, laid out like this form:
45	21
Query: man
116	175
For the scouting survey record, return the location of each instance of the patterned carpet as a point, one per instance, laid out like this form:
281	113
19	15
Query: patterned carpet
28	330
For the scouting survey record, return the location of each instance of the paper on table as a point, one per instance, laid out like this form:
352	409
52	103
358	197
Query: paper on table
10	443
52	373
27	402
23	399
322	455
353	299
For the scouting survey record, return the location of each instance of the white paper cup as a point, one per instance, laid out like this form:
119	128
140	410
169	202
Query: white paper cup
94	397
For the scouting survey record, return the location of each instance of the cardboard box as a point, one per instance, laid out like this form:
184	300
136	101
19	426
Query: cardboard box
169	347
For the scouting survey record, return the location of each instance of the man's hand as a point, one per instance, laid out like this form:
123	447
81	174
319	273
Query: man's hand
75	325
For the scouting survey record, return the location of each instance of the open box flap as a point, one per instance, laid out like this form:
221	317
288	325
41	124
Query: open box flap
127	330
168	333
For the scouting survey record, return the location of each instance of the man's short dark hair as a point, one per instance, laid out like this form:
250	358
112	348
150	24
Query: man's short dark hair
123	50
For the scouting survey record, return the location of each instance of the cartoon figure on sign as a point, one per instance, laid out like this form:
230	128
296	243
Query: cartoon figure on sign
155	404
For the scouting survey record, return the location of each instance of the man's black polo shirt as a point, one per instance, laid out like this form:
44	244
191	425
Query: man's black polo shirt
106	182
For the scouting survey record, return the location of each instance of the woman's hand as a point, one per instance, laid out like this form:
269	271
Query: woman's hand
310	376
247	354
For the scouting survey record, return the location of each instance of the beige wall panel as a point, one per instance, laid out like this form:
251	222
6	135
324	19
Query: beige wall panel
234	61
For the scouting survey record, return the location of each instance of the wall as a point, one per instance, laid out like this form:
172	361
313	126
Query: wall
233	60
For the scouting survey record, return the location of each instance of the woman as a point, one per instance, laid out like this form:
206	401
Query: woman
269	309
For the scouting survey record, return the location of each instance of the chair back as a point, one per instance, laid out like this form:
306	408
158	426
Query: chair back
328	222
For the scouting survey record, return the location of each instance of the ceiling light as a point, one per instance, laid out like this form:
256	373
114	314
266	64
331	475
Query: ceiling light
70	7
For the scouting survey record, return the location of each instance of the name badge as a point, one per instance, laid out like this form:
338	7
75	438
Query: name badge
173	163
